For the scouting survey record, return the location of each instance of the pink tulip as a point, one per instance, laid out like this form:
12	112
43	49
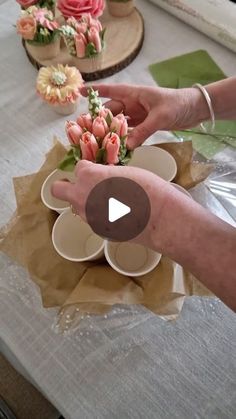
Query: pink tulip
96	24
104	112
100	127
92	23
80	44
77	8
89	146
74	132
120	125
85	121
111	143
72	22
81	27
94	37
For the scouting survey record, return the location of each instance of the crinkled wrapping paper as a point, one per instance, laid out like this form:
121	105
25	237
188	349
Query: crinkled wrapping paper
93	287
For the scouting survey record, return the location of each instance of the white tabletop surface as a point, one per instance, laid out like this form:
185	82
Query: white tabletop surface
130	363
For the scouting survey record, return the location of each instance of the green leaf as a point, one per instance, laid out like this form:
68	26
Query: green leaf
123	149
102	34
90	50
76	153
108	119
101	156
127	158
69	162
70	153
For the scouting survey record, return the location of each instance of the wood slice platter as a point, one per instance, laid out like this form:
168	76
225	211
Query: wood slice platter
124	39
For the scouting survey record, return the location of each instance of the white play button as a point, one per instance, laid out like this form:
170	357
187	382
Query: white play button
117	210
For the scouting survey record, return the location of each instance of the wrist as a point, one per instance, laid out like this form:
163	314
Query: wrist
197	109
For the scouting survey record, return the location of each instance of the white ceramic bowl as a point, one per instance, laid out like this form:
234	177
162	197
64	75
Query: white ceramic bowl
156	160
131	259
46	195
181	189
74	239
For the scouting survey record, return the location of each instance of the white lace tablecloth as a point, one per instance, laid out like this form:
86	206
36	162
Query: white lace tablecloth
129	363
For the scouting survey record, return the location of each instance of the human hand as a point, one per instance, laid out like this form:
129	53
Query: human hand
154	108
88	175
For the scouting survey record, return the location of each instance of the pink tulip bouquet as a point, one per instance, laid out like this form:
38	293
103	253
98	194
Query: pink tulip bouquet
37	26
77	8
97	136
84	38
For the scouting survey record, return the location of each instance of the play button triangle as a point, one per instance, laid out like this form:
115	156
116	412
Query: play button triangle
117	210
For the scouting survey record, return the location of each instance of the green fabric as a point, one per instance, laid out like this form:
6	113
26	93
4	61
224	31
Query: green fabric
184	71
197	66
206	145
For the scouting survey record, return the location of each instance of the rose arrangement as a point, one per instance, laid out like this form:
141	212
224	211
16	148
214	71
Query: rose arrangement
84	38
37	26
77	8
97	136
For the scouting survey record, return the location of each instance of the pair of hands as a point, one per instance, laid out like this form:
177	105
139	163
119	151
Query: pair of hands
149	109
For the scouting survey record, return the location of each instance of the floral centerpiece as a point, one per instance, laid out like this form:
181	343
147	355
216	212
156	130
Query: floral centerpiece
77	8
84	39
97	136
40	31
120	8
59	86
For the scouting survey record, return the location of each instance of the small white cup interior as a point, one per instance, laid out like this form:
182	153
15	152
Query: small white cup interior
155	160
48	199
74	240
131	259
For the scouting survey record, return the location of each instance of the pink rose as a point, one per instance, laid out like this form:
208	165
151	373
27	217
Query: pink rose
26	27
120	125
111	143
80	44
74	132
89	146
85	121
104	112
100	127
94	37
27	3
77	8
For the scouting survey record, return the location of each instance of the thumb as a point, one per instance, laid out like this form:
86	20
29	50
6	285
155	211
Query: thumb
142	132
63	190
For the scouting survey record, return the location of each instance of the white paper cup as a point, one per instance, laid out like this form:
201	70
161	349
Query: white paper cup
155	160
181	189
44	52
131	259
65	109
120	9
74	239
48	199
